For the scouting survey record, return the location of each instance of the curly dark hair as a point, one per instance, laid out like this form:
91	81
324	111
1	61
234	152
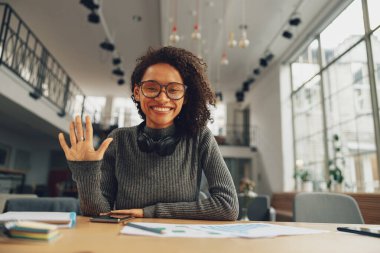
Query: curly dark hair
195	112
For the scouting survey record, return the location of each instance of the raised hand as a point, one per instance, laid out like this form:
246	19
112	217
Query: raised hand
82	149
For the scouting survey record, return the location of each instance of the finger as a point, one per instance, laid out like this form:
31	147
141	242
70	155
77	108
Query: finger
89	130
124	211
73	138
120	216
62	141
105	213
102	149
79	128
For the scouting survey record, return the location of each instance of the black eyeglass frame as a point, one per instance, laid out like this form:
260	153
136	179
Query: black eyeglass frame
140	84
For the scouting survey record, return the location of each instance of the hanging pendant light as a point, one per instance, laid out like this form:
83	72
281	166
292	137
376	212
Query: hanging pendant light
174	38
196	35
243	42
231	40
224	59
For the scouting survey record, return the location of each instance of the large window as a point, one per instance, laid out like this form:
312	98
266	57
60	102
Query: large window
332	102
375	40
374	17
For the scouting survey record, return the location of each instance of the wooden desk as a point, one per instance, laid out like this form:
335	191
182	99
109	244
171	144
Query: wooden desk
89	237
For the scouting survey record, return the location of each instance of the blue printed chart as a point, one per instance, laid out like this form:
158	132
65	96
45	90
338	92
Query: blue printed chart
245	230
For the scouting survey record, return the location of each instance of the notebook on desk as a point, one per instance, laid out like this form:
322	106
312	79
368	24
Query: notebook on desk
62	219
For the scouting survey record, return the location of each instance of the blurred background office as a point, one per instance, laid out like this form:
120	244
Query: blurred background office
297	82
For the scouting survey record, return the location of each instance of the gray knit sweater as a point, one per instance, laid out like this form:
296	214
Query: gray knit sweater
164	187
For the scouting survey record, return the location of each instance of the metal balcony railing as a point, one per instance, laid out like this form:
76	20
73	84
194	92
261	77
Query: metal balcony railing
239	135
25	55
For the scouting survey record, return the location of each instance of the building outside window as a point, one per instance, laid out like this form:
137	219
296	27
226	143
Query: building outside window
332	102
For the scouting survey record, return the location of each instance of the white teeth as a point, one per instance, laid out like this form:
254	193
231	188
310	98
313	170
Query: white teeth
161	109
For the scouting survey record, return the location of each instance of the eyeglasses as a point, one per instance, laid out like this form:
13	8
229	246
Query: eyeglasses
152	89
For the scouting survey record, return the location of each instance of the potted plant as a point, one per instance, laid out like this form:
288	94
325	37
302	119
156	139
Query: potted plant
304	176
247	194
336	177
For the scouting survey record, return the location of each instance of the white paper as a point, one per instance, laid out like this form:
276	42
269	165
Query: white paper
171	230
245	230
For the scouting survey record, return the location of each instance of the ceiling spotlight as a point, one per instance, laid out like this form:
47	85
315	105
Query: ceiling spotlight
263	62
120	81
116	61
231	40
61	113
35	94
269	56
256	71
136	18
246	86
239	96
107	46
89	4
219	96
250	80
295	20
118	72
287	34
93	18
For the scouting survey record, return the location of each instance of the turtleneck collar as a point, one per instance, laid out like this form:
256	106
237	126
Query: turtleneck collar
159	133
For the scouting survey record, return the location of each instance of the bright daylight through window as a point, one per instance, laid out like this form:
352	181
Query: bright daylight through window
335	97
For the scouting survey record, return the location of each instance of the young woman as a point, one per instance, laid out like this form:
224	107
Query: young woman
155	169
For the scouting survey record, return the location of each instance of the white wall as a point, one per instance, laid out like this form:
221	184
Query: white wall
265	114
39	154
287	128
46	121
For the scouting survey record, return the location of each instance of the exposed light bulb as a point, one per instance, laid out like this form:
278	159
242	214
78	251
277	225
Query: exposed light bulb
224	60
244	42
196	35
174	38
231	40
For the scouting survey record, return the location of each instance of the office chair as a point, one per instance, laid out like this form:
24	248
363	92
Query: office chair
326	208
259	209
46	204
5	196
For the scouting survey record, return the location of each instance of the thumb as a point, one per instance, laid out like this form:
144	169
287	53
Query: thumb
102	149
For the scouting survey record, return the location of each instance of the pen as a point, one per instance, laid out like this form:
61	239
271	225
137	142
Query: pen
154	230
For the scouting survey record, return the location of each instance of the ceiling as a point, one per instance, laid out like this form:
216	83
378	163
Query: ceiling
62	26
28	126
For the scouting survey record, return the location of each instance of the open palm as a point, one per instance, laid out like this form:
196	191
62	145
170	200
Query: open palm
82	149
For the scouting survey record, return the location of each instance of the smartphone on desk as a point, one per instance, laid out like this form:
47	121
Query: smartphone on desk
111	219
375	232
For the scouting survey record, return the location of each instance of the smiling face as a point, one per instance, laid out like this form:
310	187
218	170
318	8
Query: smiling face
160	111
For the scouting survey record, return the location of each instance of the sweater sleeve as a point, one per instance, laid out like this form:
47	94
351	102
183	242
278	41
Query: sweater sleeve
96	182
223	202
